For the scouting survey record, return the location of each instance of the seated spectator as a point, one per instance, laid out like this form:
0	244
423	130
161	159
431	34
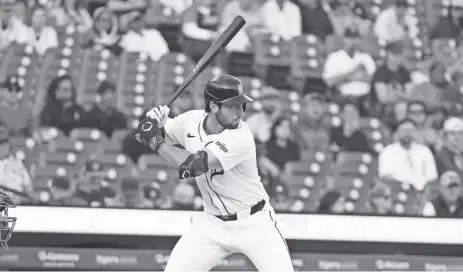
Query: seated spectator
448	26
349	136
201	20
12	29
395	23
351	18
183	103
438	91
449	202
92	186
14	114
379	201
179	6
152	193
312	128
252	13
131	196
450	156
55	10
141	39
61	109
13	173
314	18
332	202
349	70
280	148
426	135
104	33
261	122
406	160
40	36
283	18
104	115
60	193
390	85
77	15
183	197
125	9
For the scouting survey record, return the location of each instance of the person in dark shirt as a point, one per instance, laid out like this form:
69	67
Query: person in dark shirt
314	19
280	147
61	109
104	115
449	202
348	136
448	27
332	202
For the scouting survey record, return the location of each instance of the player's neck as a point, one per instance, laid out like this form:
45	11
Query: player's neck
211	126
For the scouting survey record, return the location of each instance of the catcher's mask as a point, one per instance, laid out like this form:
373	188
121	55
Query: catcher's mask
6	222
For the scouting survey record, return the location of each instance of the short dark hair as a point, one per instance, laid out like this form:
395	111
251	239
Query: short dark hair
417	102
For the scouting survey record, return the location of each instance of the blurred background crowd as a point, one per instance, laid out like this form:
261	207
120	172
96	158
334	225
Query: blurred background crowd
358	103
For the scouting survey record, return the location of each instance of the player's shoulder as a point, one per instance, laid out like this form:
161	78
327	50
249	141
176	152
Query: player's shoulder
241	134
191	115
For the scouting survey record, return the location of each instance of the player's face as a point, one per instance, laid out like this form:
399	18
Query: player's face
229	115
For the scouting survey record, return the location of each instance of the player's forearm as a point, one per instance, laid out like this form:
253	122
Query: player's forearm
174	156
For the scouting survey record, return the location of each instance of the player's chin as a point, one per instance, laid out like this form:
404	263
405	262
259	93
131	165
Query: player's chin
234	124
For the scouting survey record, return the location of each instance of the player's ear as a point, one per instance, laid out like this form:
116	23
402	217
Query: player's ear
214	107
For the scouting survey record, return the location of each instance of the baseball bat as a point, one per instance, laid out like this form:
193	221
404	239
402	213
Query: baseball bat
210	54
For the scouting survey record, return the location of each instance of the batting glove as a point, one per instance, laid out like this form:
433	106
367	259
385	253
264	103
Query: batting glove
147	129
160	114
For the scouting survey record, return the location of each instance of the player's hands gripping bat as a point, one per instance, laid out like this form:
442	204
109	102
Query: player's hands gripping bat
148	127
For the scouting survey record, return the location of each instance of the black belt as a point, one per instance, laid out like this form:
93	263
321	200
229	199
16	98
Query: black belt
233	217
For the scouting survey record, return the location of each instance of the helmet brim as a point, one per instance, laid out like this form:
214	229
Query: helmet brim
240	99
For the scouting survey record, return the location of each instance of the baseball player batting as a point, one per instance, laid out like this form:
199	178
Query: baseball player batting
220	153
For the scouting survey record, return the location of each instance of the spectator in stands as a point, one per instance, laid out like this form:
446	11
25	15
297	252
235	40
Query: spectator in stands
61	109
131	196
78	15
13	173
201	20
406	160
390	85
280	148
40	36
438	91
395	23
14	114
125	10
92	186
252	13
448	26
141	39
104	115
183	103
379	201
56	14
349	70
261	122
104	33
348	136
314	19
351	17
449	202
312	127
59	193
152	193
12	29
450	156
332	202
283	18
183	197
426	135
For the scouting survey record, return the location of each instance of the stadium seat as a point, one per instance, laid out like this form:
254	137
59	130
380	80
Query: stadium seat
26	149
307	56
151	162
42	174
116	166
306	188
93	139
65	159
354	189
406	198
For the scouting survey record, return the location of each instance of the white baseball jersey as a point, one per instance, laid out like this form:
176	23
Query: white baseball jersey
238	186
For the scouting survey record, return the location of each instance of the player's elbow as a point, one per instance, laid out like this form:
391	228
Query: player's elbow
195	165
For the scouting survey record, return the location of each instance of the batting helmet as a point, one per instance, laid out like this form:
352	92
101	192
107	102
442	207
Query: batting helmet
225	89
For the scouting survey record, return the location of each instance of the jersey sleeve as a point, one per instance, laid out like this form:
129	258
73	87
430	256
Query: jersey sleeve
174	130
231	151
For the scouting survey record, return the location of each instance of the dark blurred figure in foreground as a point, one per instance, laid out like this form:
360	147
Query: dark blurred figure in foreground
449	202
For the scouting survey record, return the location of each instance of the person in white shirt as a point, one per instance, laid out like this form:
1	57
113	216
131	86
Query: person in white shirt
349	70
12	29
395	23
282	17
200	21
41	37
140	39
252	13
406	160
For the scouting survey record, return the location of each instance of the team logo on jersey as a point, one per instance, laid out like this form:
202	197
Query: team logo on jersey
221	146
